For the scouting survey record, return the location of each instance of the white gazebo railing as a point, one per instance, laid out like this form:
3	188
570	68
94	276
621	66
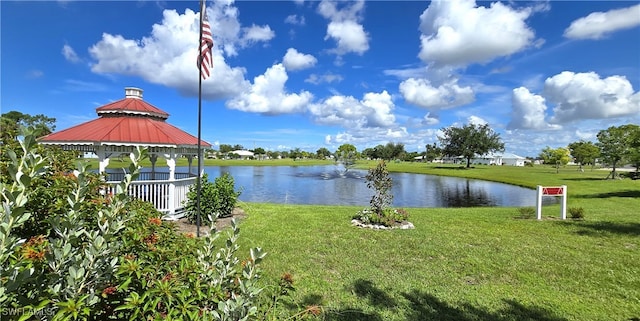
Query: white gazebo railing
167	196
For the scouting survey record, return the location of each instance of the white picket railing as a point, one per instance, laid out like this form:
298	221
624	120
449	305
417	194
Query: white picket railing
166	196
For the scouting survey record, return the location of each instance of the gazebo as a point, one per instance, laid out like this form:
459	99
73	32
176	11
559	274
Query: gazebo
120	128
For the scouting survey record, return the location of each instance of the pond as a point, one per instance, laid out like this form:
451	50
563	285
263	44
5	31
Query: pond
331	185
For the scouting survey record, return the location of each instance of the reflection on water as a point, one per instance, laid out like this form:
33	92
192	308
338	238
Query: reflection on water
332	185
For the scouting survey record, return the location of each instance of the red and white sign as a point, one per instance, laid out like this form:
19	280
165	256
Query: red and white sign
552	191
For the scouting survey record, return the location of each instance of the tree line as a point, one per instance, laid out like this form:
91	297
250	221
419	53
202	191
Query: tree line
615	146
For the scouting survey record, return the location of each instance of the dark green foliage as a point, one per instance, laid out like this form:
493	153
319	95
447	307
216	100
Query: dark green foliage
388	152
217	199
379	180
576	212
469	141
526	212
584	152
618	143
323	153
432	152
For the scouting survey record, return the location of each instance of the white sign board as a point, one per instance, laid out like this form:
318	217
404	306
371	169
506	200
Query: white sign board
557	191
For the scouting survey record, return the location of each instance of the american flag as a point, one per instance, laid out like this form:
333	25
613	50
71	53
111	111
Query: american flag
205	58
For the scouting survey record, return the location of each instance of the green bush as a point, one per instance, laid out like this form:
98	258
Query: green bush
389	216
576	212
119	261
217	199
526	212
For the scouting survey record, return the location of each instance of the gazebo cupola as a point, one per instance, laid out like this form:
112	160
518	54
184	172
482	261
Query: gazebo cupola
126	124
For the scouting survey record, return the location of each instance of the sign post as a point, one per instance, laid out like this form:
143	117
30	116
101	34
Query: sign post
552	191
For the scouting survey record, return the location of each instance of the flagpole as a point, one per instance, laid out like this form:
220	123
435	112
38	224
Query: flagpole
198	183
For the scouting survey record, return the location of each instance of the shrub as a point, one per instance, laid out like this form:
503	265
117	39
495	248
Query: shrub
380	212
576	212
379	180
217	199
124	263
527	212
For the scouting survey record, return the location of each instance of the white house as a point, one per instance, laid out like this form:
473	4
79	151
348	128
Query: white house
487	159
512	159
499	159
244	154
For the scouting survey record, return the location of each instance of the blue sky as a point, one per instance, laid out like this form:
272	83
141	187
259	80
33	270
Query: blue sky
312	74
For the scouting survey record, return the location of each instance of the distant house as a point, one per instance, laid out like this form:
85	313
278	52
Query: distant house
453	160
513	159
487	159
244	154
499	159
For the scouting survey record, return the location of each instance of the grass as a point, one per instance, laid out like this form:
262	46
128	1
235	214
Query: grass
464	263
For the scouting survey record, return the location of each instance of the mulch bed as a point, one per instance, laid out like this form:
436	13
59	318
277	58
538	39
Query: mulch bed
185	227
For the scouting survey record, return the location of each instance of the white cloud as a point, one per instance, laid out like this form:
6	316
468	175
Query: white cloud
256	33
325	78
267	95
294	60
587	96
409	72
374	110
430	120
599	24
344	27
422	93
70	54
373	137
528	110
586	135
476	120
295	20
457	32
167	55
350	36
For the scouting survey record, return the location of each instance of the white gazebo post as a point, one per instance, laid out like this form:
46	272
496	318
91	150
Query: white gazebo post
103	159
153	158
190	161
171	162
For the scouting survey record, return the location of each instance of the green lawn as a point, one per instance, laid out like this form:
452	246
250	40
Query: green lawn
466	263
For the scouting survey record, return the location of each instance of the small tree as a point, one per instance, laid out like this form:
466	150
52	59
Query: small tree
346	148
379	180
323	153
555	157
380	211
259	152
432	152
584	152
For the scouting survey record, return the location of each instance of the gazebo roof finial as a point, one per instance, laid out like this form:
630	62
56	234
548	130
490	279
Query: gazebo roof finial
133	92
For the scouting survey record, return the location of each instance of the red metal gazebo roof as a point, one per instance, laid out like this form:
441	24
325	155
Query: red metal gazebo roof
127	121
